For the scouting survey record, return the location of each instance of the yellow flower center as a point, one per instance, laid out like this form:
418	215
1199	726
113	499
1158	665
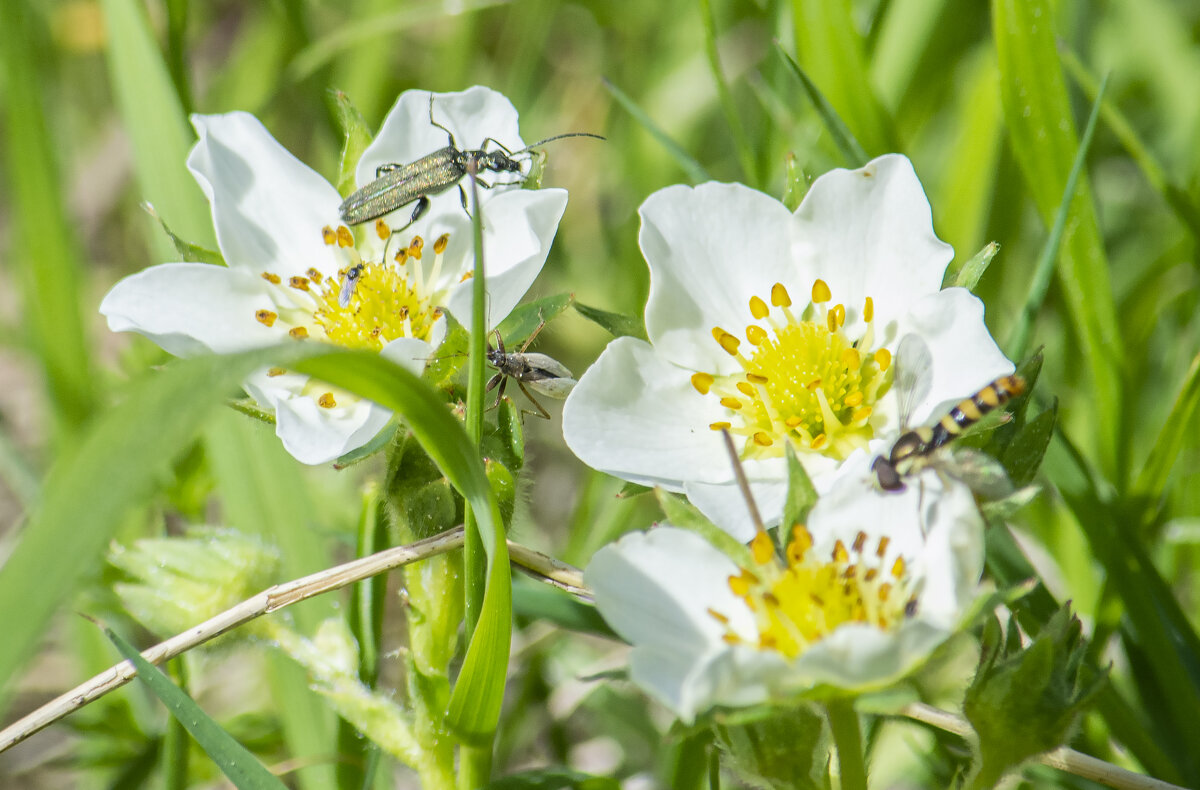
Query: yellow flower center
805	379
800	600
368	303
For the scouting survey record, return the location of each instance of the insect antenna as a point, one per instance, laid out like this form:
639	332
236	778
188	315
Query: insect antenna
529	148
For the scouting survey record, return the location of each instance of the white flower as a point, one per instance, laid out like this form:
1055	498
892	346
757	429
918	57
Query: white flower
277	225
780	327
863	596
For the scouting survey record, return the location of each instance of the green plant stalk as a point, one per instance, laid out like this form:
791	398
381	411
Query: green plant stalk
475	763
847	737
740	142
176	740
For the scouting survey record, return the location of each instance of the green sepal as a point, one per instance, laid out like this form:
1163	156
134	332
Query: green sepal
801	495
250	408
1023	455
972	271
615	324
356	136
420	500
188	252
683	514
630	490
378	442
537	169
789	749
1023	702
507	443
795	185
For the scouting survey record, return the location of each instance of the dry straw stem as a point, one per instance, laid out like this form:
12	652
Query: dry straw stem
535	564
1062	758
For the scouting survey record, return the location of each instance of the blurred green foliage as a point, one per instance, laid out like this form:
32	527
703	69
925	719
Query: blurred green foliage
984	98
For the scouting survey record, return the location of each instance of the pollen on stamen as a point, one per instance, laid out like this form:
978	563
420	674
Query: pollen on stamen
860	540
869	310
442	242
273	372
762	439
727	341
466	276
345	238
884	541
266	317
839	552
720	618
702	382
329	236
326	401
883	358
898	568
382	230
299	283
758	308
731	403
756	334
820	292
401	257
762	548
298	332
720	426
747	389
272	278
414	249
315	276
779	296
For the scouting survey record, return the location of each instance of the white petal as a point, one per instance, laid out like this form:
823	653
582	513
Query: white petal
964	355
410	353
519	227
315	435
710	248
861	656
869	232
656	589
188	308
268	207
725	506
636	416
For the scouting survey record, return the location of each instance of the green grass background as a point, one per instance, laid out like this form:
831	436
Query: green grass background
986	99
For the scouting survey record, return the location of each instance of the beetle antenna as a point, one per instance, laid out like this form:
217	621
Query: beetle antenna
529	148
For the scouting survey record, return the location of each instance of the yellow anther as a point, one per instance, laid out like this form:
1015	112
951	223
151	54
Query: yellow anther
273	279
851	359
756	334
298	332
883	358
739	585
839	552
755	378
831	320
401	257
415	248
871	574
326	401
758	308
731	403
779	296
812	385
720	618
266	317
728	342
883	546
840	312
344	237
720	426
731	638
746	389
885	592
793	421
439	246
702	382
869	309
382	230
299	283
860	540
273	372
801	538
315	275
862	414
762	548
466	276
329	236
898	568
820	292
762	439
853	399
819	441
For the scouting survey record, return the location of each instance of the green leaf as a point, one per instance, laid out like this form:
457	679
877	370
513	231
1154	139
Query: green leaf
231	757
153	116
1169	443
1038	114
553	779
851	150
789	748
616	324
154	423
475	704
971	272
1025	452
795	183
523	321
694	171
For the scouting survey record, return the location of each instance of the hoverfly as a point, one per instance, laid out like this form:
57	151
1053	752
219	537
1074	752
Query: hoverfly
920	448
544	374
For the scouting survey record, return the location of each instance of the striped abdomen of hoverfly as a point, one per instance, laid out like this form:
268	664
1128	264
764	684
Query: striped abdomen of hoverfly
914	446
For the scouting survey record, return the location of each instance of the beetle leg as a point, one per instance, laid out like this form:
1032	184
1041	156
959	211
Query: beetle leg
541	412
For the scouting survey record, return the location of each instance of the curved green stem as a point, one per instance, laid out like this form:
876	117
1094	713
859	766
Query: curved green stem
847	737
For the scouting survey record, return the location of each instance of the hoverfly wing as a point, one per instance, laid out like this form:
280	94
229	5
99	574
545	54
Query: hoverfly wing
984	475
913	376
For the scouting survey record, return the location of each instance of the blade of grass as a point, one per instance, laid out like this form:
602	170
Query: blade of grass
1042	133
741	143
693	169
153	116
831	50
44	258
1175	194
1151	482
847	144
241	767
1043	270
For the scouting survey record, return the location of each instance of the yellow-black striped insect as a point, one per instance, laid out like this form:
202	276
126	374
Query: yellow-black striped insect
397	185
918	448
